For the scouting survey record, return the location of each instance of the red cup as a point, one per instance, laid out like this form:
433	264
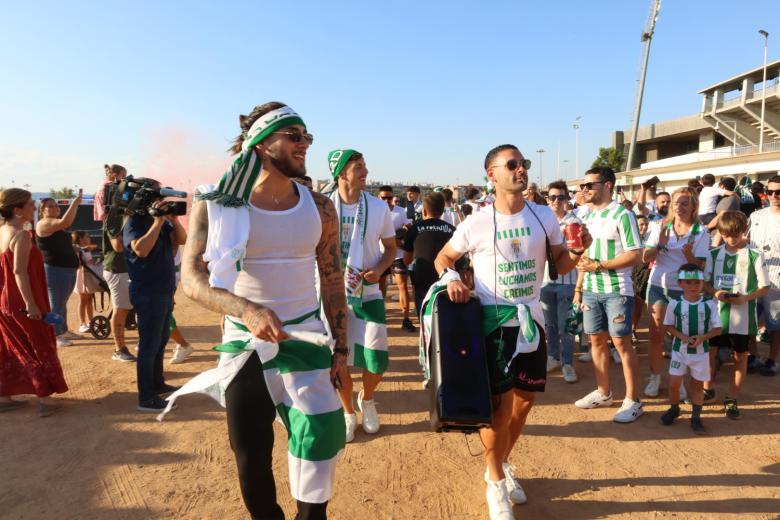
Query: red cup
572	234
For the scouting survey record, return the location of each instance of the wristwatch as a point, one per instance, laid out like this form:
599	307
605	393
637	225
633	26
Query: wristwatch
599	267
341	350
575	252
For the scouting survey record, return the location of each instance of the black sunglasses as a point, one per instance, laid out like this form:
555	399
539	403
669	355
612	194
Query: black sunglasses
296	137
559	198
514	164
589	185
769	193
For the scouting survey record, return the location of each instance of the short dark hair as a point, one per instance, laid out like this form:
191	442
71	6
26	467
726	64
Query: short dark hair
642	217
606	174
694	183
729	183
447	194
663	193
412	189
246	122
471	193
708	179
775	179
558	185
386	188
495	151
466	209
433	204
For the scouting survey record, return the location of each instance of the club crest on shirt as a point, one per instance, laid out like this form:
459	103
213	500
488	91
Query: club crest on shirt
516	247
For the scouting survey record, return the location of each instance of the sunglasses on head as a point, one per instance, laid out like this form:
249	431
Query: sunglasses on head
514	164
559	198
772	192
589	185
297	137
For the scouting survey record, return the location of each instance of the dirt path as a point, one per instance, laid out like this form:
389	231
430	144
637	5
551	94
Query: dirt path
100	459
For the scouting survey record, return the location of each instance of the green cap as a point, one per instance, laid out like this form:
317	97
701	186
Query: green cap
337	159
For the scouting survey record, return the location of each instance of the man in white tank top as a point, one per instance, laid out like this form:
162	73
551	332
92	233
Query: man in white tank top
261	235
367	250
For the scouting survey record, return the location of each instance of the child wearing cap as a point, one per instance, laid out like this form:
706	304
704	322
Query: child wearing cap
737	276
692	321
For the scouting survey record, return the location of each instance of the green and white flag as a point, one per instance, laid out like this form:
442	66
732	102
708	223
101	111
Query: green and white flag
297	374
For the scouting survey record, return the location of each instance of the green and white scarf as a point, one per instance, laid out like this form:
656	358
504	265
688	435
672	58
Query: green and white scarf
237	183
297	374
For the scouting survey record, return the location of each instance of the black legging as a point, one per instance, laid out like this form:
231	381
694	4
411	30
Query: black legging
250	418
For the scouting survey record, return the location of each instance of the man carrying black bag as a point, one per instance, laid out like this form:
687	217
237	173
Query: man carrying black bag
508	244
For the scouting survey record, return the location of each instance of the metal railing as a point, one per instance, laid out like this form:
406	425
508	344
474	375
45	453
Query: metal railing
769	146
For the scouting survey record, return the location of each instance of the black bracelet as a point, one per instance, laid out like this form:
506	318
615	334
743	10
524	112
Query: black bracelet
578	253
341	350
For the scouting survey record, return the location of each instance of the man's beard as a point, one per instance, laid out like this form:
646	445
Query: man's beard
663	211
286	167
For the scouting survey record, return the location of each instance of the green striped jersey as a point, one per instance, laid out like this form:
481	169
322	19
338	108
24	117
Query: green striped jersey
614	232
692	319
743	272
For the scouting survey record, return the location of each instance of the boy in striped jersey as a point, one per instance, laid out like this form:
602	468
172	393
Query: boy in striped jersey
608	294
692	321
737	277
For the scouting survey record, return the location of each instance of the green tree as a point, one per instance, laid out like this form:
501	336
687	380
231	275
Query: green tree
62	193
611	157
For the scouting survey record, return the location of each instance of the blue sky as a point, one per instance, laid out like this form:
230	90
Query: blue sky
424	89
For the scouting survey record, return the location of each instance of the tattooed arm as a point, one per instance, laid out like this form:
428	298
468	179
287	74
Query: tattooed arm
332	292
261	321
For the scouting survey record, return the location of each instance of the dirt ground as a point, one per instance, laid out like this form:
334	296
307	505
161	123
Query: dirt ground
100	459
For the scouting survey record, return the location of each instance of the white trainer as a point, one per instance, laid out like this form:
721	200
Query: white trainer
616	356
514	490
569	374
180	353
629	411
370	415
595	399
499	506
653	385
350	420
587	357
552	364
84	327
62	341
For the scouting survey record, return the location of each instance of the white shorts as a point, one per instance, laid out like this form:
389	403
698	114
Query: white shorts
119	285
699	365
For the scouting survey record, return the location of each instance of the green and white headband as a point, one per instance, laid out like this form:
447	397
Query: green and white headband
690	275
337	159
237	183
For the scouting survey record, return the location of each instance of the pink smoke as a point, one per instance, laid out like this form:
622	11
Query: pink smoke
182	159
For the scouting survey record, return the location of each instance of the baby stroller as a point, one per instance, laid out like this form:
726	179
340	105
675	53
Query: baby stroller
100	326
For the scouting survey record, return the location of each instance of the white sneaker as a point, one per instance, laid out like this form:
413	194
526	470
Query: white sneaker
499	506
84	327
350	420
595	399
552	364
569	374
370	415
616	356
514	490
653	384
629	411
587	357
180	353
62	341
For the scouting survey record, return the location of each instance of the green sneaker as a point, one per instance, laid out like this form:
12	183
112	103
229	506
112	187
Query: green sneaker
731	408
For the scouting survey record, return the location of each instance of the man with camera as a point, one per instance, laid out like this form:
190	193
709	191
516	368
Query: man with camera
509	243
148	243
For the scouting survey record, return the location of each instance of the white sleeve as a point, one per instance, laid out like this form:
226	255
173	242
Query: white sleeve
708	267
762	274
387	230
461	238
669	316
702	246
652	239
552	227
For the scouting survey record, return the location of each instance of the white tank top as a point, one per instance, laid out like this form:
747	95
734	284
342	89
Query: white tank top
279	266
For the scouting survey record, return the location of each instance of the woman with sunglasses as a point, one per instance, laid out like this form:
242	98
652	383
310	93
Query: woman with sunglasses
557	296
60	260
680	239
27	345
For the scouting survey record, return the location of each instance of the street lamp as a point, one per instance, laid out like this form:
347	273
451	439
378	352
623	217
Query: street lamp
540	152
763	92
576	126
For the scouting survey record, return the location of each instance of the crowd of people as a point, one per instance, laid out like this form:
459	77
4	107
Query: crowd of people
300	279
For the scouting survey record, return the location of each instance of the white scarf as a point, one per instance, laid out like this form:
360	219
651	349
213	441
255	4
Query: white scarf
353	279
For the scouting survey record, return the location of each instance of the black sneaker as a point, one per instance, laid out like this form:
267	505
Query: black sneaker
698	427
671	414
731	408
123	355
408	326
167	389
754	364
155	405
769	368
709	394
